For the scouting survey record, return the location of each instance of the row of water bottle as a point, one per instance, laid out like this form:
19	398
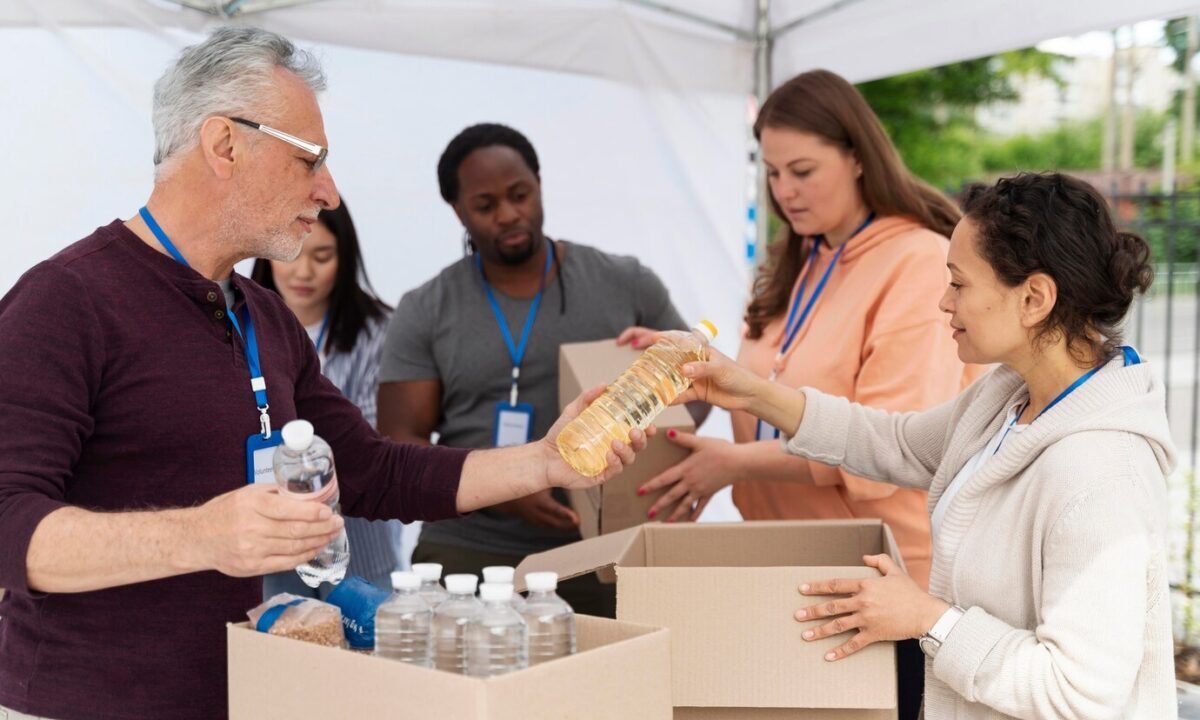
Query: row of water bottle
451	629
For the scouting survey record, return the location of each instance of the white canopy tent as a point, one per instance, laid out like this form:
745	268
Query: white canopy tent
638	108
596	73
652	90
705	44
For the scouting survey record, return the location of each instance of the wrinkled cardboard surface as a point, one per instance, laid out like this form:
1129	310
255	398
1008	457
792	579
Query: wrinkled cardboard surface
622	670
728	592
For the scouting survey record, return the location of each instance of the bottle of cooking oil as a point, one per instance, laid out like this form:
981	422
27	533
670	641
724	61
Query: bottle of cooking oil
635	399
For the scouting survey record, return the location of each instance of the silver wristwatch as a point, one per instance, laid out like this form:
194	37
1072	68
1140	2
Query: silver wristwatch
932	641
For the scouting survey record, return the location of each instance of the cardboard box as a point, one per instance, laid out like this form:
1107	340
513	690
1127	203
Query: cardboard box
622	670
728	593
616	505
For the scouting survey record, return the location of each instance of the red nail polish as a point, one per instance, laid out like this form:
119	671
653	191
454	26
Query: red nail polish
671	434
641	492
651	514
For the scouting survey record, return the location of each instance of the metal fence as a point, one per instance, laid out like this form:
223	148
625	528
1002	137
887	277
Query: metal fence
1165	327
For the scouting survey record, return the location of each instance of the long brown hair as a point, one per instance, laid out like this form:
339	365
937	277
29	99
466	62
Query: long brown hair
826	105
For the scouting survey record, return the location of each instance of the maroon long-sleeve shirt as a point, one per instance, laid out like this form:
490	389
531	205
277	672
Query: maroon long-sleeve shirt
122	388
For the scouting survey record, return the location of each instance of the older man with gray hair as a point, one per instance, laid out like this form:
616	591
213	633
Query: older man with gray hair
142	387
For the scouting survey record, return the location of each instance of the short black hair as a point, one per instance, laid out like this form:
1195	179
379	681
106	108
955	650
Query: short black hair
1061	226
471	139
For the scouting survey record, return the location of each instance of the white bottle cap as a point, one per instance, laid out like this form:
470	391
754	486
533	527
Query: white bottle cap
298	435
462	584
707	329
428	571
496	592
402	580
541	581
498	574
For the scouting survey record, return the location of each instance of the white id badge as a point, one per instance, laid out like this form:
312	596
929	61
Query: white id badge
767	432
260	457
514	424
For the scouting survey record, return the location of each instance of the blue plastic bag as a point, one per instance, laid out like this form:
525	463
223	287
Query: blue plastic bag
358	601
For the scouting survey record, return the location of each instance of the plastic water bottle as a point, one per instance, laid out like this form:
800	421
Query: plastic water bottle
635	399
403	623
497	639
431	587
304	471
450	620
550	620
503	575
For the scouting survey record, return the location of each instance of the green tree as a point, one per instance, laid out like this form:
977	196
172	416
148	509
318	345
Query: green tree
1175	35
1070	146
930	114
1175	40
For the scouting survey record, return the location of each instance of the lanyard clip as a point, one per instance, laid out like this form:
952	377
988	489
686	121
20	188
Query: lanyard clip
777	366
512	395
264	421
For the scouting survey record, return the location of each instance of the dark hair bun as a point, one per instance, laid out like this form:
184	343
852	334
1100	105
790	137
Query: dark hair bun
1130	266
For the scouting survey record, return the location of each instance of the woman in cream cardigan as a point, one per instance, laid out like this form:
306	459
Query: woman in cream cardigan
1048	592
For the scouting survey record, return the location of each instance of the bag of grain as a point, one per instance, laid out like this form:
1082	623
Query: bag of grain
299	618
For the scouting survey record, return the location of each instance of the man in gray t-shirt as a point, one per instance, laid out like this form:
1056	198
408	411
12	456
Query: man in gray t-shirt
446	364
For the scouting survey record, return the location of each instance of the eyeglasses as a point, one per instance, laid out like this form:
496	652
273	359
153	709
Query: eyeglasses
315	149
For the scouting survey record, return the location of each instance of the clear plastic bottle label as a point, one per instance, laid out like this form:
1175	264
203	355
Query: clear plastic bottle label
322	496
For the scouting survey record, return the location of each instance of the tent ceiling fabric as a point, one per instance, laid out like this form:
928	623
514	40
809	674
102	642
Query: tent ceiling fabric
629	43
905	35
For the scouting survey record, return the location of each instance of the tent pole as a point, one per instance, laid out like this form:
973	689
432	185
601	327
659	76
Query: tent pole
232	8
763	42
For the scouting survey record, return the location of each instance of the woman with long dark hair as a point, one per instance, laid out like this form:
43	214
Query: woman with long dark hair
328	290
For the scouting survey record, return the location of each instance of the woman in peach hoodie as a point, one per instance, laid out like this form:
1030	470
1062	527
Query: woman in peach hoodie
847	304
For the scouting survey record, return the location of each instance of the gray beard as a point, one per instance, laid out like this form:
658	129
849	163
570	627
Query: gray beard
275	244
280	246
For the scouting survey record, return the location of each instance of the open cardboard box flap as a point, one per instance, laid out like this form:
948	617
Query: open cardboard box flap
832	543
580	558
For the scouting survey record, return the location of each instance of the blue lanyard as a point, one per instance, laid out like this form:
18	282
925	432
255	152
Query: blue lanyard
321	334
516	352
1131	358
794	323
258	383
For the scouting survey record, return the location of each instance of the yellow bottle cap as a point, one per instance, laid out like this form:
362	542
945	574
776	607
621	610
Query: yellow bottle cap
708	328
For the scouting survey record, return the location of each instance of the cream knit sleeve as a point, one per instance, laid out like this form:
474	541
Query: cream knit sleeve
900	448
1102	617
